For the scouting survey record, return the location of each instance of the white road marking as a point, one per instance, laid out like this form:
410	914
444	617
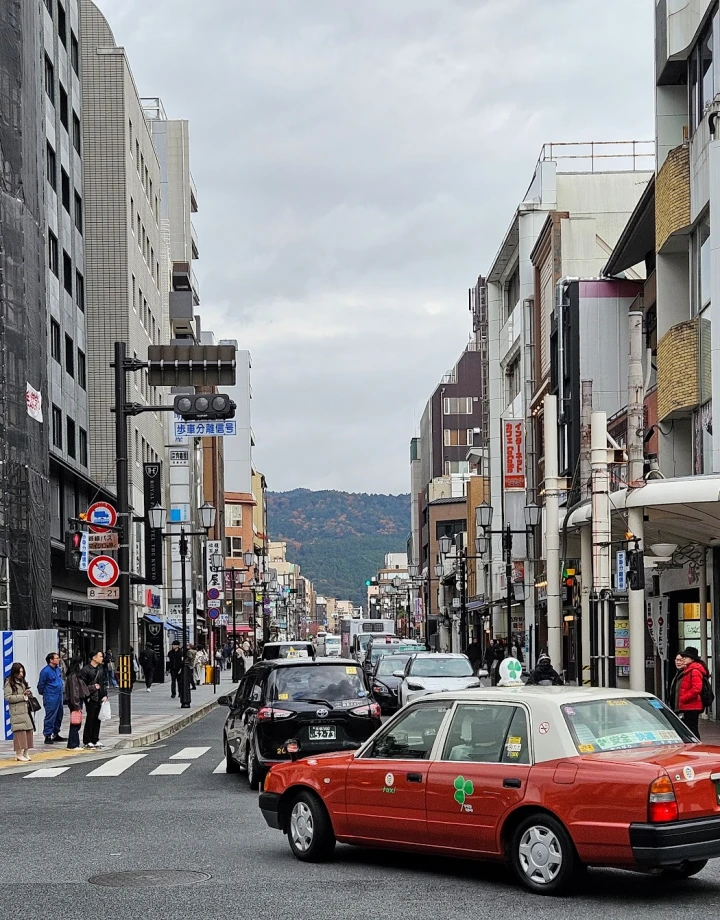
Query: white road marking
117	765
190	753
220	768
46	773
169	769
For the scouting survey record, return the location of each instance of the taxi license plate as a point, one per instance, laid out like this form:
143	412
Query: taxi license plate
321	733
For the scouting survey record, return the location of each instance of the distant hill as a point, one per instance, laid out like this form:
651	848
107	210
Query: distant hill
339	538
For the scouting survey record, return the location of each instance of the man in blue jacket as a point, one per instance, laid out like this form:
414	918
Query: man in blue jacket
50	686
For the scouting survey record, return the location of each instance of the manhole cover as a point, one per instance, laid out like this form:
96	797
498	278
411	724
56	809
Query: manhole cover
149	878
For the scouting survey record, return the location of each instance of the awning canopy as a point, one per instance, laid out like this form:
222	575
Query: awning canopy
74	597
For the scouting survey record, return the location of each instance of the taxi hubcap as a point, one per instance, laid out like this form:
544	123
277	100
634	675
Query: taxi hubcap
301	826
540	854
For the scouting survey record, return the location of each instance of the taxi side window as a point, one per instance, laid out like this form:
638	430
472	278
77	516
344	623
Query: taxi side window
517	743
411	737
479	732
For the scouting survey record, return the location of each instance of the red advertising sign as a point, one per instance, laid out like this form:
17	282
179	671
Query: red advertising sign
514	450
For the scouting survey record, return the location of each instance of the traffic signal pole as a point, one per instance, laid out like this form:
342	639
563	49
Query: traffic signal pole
123	512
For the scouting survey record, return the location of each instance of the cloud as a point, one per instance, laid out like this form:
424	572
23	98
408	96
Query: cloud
357	167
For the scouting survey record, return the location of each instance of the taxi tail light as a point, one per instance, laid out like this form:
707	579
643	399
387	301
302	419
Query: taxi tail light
662	804
373	709
268	712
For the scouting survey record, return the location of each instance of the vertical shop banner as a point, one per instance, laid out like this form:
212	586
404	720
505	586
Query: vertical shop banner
214	575
514	452
152	489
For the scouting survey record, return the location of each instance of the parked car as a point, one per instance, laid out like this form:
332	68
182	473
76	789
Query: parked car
384	682
322	704
299	649
548	779
427	672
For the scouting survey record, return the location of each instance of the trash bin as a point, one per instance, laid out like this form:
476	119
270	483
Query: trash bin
209	673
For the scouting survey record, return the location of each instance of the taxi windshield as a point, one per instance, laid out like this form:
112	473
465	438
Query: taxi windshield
327	683
389	664
623	724
441	667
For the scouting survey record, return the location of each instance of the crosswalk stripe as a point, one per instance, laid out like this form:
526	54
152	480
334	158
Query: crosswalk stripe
220	768
117	765
169	769
190	753
46	773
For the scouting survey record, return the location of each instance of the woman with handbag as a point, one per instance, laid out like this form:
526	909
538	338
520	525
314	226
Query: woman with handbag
94	676
21	704
77	693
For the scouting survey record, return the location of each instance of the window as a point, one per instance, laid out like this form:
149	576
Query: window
701	75
134	293
511	291
51	165
233	515
138	230
53	258
67	272
80	291
487	733
49	5
62	24
459	467
458	438
49	79
130	135
142	170
63	107
81	370
70	425
69	355
622	724
458	405
77	137
701	266
234	547
65	189
132	215
57	427
83	445
78	212
512	380
55	340
74	52
411	737
137	153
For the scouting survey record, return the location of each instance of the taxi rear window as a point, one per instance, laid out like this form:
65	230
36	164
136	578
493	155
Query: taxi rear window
618	724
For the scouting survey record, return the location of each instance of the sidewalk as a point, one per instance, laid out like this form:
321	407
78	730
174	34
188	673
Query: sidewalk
154	716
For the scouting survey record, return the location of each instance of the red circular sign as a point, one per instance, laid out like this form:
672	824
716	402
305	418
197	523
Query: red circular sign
100	516
103	571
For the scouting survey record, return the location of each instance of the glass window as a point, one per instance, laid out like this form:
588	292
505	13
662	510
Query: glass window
49	79
77	140
51	165
459	467
80	291
78	212
53	257
55	339
233	515
412	737
67	273
65	189
63	107
706	76
74	52
62	24
618	724
83	447
57	427
69	355
436	666
326	683
81	369
458	405
512	291
70	437
479	733
704	267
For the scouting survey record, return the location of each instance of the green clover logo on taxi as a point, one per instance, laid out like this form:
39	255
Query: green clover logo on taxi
463	787
514	669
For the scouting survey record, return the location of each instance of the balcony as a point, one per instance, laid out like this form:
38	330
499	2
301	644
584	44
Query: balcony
195	289
181	276
678	386
193	238
182	313
193	196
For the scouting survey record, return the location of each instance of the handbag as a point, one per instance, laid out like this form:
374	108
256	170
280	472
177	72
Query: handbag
33	704
76	717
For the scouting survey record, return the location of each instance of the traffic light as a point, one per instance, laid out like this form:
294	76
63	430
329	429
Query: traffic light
636	569
205	406
73	549
568	587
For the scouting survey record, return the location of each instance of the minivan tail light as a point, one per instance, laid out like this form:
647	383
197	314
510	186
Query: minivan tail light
662	804
268	712
373	709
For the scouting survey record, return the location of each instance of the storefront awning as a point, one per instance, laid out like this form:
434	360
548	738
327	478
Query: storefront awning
74	597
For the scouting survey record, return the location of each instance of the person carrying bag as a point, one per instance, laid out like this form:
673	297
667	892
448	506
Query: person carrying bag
94	676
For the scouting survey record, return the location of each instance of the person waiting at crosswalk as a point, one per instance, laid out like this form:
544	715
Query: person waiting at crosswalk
94	676
77	693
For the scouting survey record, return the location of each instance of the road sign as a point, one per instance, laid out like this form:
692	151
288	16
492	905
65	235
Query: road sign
103	594
100	516
84	551
621	570
108	540
213	613
213	594
210	429
103	571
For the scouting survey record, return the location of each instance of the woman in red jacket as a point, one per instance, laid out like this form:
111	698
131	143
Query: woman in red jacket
686	690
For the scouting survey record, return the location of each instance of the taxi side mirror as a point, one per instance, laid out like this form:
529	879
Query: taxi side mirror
223	700
398	674
292	747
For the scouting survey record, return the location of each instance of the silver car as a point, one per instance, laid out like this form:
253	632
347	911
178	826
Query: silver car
431	673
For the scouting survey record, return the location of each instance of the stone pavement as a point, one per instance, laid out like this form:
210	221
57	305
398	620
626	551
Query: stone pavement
154	716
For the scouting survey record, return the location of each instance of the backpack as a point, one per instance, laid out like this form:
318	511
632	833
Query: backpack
707	697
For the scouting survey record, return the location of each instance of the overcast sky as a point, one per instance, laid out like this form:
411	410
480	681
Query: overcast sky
357	164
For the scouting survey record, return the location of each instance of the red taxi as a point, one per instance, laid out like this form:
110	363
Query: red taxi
547	779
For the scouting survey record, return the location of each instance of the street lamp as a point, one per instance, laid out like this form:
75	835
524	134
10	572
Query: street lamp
157	517
445	544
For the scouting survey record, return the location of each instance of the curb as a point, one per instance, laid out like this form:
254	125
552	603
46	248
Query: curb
169	729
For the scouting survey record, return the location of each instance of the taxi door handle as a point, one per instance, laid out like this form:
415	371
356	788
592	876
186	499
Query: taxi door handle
512	783
414	777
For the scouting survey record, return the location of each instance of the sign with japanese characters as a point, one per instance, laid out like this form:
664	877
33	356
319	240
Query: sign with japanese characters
214	581
184	430
514	453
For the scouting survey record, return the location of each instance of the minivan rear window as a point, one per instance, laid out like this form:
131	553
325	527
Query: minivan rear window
328	683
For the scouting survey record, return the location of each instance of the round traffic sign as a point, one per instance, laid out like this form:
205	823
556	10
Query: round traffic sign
103	571
213	594
213	613
100	516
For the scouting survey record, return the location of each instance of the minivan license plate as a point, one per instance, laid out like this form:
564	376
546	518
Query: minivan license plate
322	733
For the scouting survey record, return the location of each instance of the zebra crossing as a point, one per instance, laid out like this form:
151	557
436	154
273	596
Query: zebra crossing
176	765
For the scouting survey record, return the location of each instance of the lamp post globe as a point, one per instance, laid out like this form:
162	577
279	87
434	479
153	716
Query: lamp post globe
207	515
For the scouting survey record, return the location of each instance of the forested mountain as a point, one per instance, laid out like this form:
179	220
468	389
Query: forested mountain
339	538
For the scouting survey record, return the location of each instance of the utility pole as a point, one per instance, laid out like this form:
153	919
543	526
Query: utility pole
635	436
586	575
123	513
552	534
601	547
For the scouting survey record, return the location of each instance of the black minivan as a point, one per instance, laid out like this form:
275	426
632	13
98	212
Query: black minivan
323	704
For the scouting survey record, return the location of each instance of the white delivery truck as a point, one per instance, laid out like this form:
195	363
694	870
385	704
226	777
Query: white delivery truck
356	633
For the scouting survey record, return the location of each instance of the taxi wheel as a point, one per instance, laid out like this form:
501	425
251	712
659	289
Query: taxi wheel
255	772
231	765
686	870
309	830
542	855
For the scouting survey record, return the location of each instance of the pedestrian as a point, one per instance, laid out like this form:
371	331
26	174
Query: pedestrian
52	687
190	659
134	667
94	676
544	674
516	649
201	659
63	662
247	654
687	686
16	691
147	660
175	665
77	694
240	662
474	654
109	665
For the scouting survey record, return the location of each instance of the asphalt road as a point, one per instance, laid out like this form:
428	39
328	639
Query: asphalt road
58	832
